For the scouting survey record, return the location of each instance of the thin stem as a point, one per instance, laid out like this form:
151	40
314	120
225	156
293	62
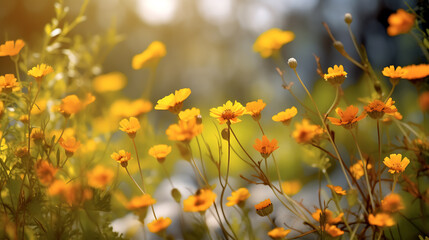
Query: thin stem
395	179
352	36
134	181
422	47
379	157
335	102
15	61
278	173
194	164
206	226
364	169
326	129
390	93
259	124
168	175
138	161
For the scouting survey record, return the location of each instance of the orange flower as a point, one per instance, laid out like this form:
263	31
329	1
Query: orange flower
141	202
415	72
255	108
278	233
264	208
333	230
291	187
40	71
189	114
348	118
238	197
109	82
70	144
72	104
37	135
184	130
149	57
424	101
73	193
286	116
376	109
381	220
306	132
228	113
392	203
160	152
357	169
126	108
270	42
130	126
391	72
327	215
174	101
336	75
45	172
390	116
11	48
395	163
265	147
337	189
400	22
121	157
199	202
99	177
8	83
159	224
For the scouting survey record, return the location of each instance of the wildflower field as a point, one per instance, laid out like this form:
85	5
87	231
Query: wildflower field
89	152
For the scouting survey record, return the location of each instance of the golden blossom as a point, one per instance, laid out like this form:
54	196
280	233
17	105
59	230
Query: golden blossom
228	113
270	42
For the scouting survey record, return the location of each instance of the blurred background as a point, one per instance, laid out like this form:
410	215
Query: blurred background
209	50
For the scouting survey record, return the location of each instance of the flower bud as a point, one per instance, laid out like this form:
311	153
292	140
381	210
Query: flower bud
348	18
225	134
292	63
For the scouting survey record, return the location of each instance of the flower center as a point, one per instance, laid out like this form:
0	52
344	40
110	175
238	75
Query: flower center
228	114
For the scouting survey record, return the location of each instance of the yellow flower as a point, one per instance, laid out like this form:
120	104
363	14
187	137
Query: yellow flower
199	202
160	152
125	108
130	126
11	48
254	108
333	230
270	42
328	216
45	172
395	163
336	75
264	208
184	130
415	72
70	144
286	116
265	147
121	157
8	83
149	57
228	113
39	107
159	224
306	132
357	169
140	202
291	187
391	72
99	177
174	101
278	233
2	109
40	71
348	118
188	114
400	22
337	189
381	220
37	135
109	82
238	197
392	203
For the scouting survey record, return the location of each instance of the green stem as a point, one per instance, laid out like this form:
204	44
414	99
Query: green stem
364	169
379	157
138	162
